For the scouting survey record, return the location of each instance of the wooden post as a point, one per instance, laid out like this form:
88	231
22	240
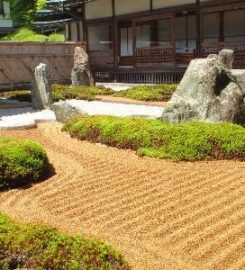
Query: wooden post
198	28
221	26
115	34
134	41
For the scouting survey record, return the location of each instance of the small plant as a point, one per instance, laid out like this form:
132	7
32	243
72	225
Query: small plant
21	162
158	92
24	246
154	138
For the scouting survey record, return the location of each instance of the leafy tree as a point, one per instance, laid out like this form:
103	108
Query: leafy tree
23	11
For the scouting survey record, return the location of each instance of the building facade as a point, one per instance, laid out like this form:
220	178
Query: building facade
156	34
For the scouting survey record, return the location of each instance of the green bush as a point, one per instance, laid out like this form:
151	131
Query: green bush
40	247
21	162
20	95
154	138
63	92
26	34
158	92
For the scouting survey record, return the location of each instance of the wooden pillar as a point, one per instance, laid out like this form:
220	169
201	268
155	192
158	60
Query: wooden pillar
85	29
115	34
198	29
221	26
173	35
151	5
134	41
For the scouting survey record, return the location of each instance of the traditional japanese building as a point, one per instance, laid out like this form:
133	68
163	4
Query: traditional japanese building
149	40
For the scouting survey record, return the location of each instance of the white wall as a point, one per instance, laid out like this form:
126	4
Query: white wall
98	9
131	6
171	3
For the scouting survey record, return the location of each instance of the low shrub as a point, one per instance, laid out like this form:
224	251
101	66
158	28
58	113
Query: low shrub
40	247
154	138
158	92
26	34
21	162
63	92
20	95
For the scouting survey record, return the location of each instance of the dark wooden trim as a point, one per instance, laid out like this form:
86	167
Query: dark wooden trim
221	26
85	29
167	12
151	5
134	41
198	28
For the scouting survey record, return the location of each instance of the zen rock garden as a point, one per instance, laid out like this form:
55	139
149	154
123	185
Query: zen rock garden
209	91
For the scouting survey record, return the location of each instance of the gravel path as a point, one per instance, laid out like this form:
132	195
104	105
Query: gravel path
27	117
161	215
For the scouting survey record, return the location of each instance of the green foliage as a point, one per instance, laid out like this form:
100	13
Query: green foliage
63	92
26	34
40	247
20	95
56	37
158	92
21	162
22	11
154	138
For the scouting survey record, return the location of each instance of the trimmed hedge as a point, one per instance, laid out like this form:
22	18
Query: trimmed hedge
40	247
190	141
158	92
21	162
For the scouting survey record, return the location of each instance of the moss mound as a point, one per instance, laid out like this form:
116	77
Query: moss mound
63	92
40	247
154	138
158	92
21	162
20	95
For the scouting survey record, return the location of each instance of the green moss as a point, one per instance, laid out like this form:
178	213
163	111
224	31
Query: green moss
21	162
20	95
63	92
154	138
40	247
158	92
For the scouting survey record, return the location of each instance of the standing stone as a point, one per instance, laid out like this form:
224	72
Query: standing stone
226	56
41	94
81	73
209	91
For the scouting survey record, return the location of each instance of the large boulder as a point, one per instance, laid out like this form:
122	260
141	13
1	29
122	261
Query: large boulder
63	110
81	73
208	91
41	94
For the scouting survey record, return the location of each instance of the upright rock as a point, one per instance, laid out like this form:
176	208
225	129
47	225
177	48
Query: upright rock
41	94
208	91
81	73
226	57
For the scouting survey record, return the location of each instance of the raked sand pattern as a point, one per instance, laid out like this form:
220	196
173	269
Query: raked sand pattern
160	214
